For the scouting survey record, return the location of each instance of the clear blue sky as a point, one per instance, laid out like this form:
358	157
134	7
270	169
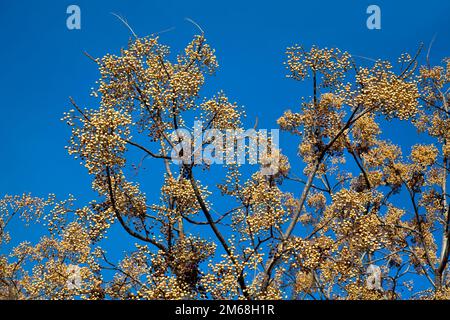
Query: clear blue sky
42	63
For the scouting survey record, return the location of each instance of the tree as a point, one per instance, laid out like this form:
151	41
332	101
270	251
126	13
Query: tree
369	221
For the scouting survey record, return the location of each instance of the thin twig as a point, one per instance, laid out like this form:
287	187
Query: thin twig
125	23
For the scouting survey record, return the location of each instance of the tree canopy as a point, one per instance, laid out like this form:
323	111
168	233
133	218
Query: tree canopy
355	216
